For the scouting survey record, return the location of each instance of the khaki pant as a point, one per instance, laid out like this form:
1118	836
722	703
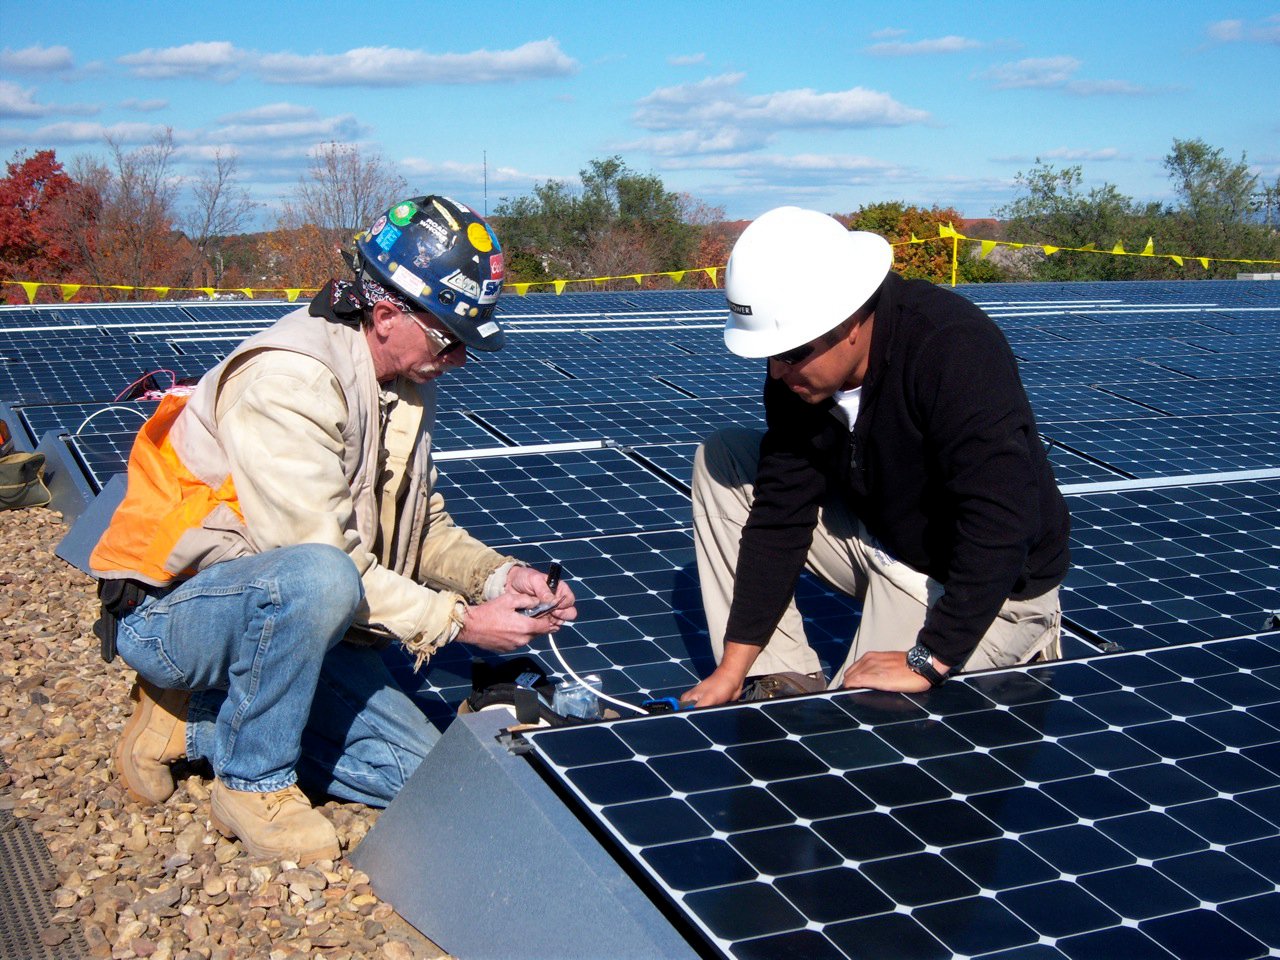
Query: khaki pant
895	597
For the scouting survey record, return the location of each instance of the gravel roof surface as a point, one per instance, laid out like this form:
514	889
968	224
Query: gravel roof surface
142	880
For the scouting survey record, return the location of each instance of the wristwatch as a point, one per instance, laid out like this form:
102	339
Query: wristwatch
920	659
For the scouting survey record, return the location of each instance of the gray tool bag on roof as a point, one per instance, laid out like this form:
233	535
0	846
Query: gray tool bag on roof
22	481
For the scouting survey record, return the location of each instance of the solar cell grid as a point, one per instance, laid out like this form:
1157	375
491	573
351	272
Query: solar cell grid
953	822
676	365
1174	446
102	379
1220	365
1263	322
1206	396
532	497
1086	403
1170	328
103	455
1068	372
657	421
1111	349
470	394
109	315
1159	566
640	624
1237	343
239	311
709	385
126	416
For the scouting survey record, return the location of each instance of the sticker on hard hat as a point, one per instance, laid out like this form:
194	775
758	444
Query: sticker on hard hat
740	308
408	281
487	329
462	284
489	291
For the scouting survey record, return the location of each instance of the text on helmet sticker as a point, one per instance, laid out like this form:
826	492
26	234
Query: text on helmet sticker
387	238
408	281
437	230
497	266
462	284
489	291
740	308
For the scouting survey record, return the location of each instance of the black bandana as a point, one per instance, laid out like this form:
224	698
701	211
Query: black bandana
345	301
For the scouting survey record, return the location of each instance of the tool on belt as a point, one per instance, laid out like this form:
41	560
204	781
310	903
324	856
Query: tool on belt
119	598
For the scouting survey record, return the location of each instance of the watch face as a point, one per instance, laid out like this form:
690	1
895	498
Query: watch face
917	657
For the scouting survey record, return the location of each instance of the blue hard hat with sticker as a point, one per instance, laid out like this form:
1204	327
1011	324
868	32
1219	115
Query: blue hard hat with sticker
444	258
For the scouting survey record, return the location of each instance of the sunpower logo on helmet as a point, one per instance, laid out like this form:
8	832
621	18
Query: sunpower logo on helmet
739	308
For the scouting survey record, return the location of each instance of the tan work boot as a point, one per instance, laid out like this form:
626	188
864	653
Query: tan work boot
154	737
281	825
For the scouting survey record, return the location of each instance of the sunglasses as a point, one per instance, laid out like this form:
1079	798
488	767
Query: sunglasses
796	354
440	341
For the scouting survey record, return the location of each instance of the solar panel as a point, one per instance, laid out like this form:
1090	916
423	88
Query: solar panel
1085	403
122	417
1217	365
469	393
1111	349
102	455
1059	811
1067	372
534	497
655	421
1165	565
102	379
1233	395
1173	446
640	624
262	310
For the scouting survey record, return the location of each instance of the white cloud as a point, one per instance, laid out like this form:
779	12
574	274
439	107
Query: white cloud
36	59
144	106
1238	31
1057	73
915	48
437	176
389	67
1033	72
692	142
1226	31
16	101
686	60
271	113
715	103
71	132
1072	154
340	128
216	59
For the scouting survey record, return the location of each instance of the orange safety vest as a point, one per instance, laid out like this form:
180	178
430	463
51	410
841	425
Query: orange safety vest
163	502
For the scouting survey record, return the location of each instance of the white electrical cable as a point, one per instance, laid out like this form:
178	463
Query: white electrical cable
599	693
104	410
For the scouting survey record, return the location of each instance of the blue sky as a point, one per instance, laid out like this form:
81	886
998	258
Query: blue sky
745	105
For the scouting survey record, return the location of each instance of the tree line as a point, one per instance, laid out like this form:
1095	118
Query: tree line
119	220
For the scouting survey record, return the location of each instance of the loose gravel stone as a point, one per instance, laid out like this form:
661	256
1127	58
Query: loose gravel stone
148	880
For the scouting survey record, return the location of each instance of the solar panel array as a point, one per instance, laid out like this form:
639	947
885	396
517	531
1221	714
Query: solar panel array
1157	405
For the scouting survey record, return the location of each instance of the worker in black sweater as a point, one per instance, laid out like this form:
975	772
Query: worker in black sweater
901	464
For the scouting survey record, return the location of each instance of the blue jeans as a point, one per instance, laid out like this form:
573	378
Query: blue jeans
275	692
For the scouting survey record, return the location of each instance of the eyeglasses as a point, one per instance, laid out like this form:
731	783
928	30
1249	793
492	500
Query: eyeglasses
440	341
796	354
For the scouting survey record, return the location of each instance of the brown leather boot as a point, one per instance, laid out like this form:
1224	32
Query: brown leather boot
281	825
154	737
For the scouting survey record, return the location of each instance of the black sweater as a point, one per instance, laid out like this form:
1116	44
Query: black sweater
944	466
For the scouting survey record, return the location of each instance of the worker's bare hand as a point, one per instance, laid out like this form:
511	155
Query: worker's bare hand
885	670
529	584
721	687
499	626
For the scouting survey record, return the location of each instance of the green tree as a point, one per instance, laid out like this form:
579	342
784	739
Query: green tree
1218	202
618	222
1053	208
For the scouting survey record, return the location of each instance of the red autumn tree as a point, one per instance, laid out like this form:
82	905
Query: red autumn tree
32	194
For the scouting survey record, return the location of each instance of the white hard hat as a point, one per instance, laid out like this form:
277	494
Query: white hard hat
796	274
